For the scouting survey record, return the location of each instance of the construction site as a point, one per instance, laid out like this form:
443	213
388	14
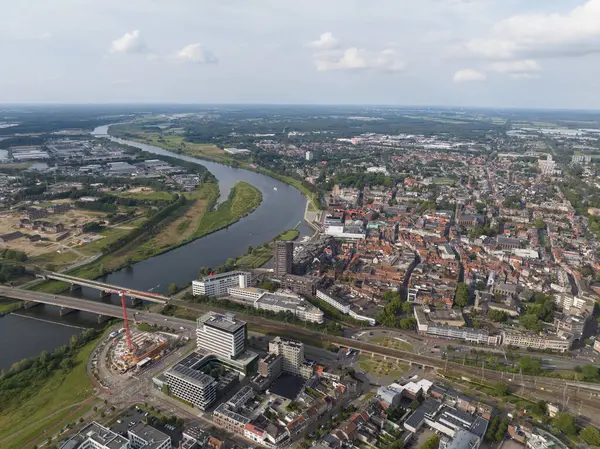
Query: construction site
145	346
137	348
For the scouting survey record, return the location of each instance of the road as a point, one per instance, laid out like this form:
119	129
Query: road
579	395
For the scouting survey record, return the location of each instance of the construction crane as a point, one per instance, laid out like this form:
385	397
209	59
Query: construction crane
122	294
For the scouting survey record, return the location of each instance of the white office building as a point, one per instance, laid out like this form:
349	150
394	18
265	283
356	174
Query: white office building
309	155
218	284
277	302
223	335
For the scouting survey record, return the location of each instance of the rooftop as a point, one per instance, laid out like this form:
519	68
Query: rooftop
154	437
227	322
190	375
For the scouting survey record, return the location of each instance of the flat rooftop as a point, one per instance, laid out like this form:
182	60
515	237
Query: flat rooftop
226	322
190	375
154	437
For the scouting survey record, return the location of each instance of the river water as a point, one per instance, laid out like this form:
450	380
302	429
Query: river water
282	208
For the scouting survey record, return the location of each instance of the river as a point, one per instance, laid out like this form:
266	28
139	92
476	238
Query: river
282	208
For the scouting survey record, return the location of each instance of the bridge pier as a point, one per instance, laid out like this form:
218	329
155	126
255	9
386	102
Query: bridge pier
136	301
66	310
75	288
104	294
30	304
103	318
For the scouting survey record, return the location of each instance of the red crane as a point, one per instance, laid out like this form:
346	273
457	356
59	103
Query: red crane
122	294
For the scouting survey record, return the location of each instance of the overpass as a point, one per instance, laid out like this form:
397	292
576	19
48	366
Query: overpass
104	311
105	289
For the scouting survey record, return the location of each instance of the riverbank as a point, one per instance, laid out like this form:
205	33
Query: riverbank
179	145
9	306
195	218
29	407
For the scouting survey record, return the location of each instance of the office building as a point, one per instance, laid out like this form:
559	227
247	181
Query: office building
222	335
283	257
292	352
143	436
309	155
96	436
218	284
192	386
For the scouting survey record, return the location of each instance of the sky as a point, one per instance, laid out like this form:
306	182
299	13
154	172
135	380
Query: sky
491	53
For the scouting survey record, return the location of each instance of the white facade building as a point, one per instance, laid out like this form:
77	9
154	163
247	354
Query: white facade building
221	334
339	304
292	352
218	284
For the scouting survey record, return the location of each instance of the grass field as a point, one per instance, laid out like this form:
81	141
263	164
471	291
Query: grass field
7	306
243	200
382	368
289	235
392	343
148	195
56	400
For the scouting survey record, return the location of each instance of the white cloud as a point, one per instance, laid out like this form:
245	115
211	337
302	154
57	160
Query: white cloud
575	33
467	75
195	53
325	42
515	67
354	58
129	43
330	57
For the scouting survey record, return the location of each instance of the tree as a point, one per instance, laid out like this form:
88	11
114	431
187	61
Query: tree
590	372
565	423
531	322
497	316
530	365
590	435
407	308
500	389
250	249
539	223
432	442
462	295
173	288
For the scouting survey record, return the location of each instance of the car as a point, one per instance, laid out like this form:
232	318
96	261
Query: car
119	421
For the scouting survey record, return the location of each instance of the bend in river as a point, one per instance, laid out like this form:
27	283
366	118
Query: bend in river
280	210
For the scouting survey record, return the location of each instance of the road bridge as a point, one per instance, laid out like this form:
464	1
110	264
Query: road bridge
104	288
104	310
